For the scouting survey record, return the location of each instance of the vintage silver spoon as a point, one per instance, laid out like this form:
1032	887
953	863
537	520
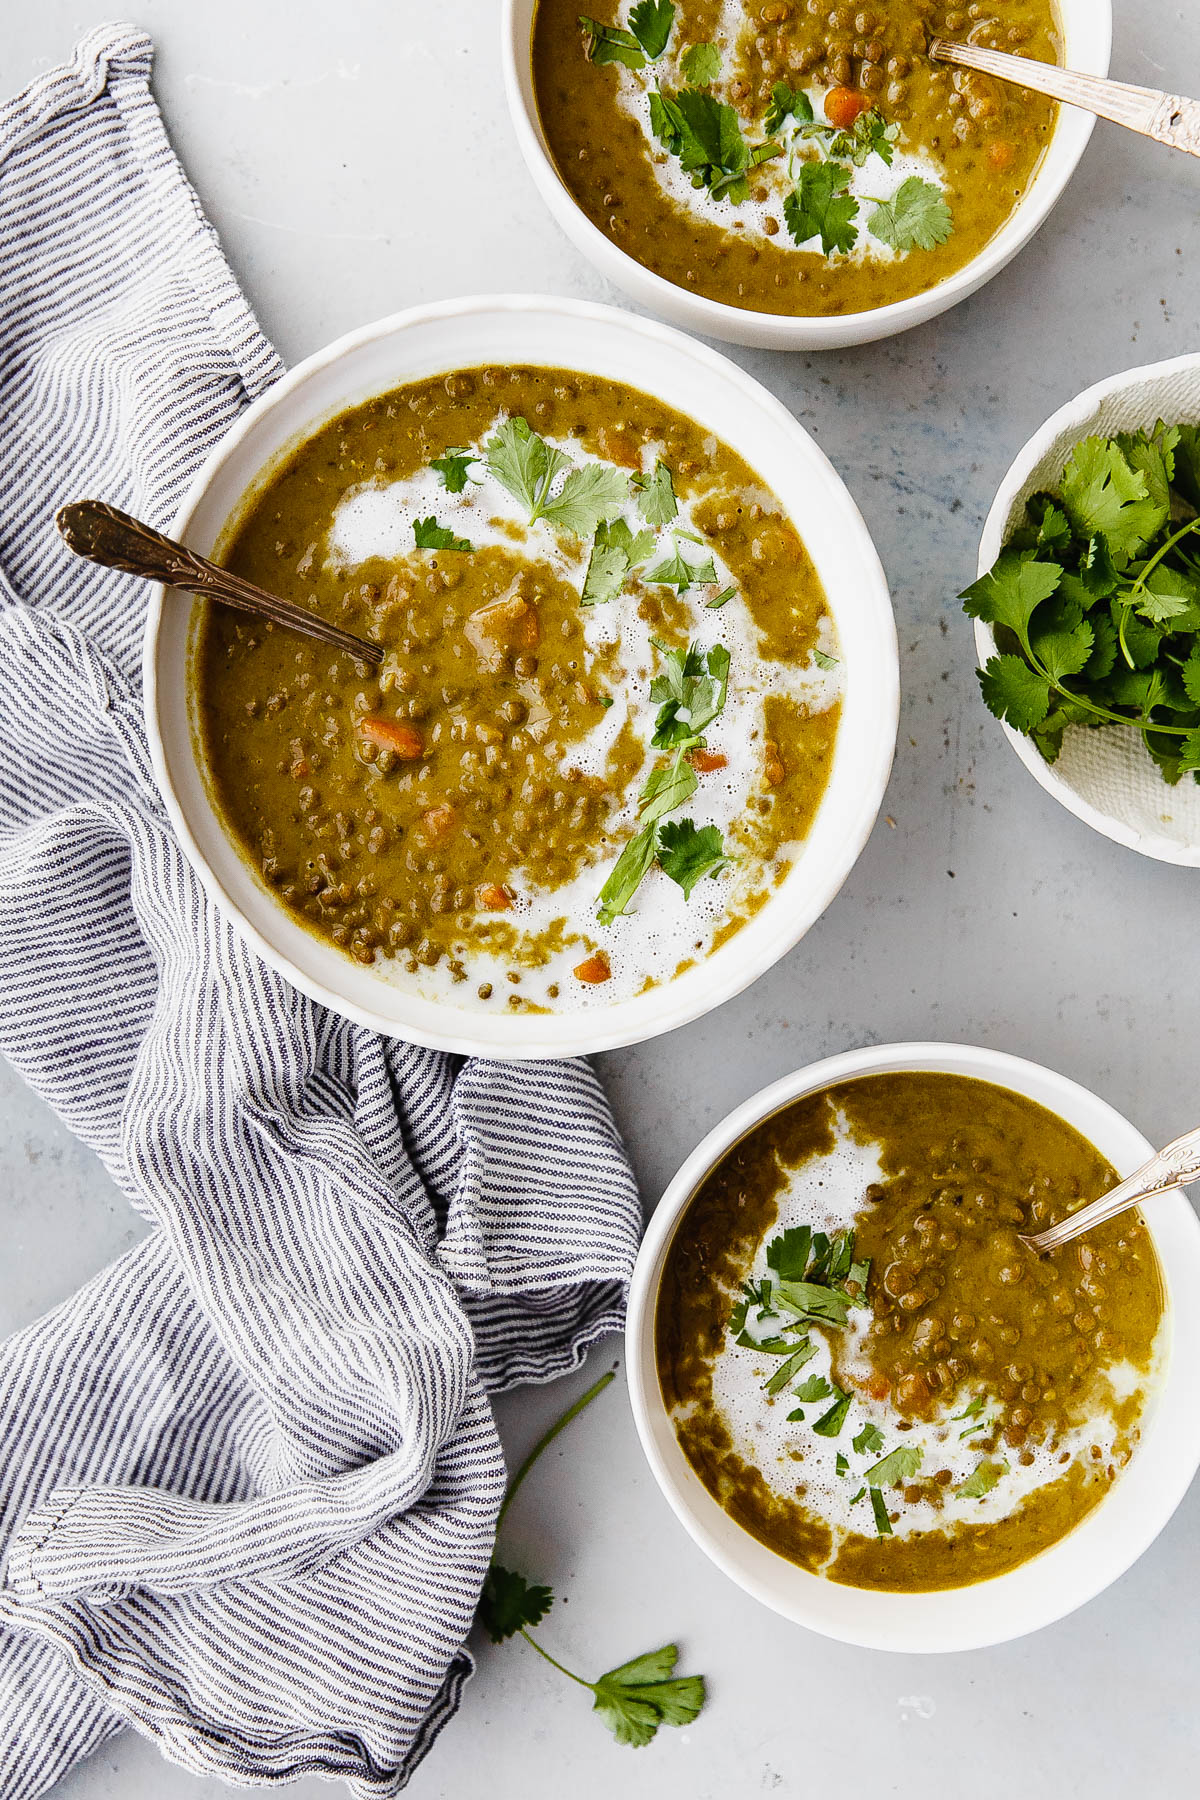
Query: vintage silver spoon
1173	1167
1168	118
110	537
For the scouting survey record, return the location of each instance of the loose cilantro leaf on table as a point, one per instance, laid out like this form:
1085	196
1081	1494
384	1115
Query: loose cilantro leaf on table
635	1698
429	535
819	206
509	1603
454	469
700	64
639	1696
1095	601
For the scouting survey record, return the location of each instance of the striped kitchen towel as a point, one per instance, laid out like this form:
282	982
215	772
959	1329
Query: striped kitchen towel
249	1474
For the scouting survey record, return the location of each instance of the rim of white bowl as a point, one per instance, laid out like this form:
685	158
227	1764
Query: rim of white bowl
1087	30
775	929
1075	416
1060	1579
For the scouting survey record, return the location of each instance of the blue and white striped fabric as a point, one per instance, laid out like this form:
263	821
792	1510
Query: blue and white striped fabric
249	1474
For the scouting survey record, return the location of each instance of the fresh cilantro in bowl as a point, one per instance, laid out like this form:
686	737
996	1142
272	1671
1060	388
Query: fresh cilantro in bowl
1095	600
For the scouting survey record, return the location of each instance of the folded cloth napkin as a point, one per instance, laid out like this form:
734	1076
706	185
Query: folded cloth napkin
250	1472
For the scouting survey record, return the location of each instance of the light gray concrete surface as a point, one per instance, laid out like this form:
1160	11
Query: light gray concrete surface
358	158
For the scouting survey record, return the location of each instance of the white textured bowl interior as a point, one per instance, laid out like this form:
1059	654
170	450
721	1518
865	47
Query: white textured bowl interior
1061	1578
702	384
1106	777
1087	39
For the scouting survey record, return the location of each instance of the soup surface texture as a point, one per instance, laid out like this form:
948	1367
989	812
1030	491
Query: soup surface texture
791	156
607	706
866	1368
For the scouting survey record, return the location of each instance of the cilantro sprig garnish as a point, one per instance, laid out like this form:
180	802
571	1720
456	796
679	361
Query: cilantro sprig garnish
706	135
650	23
528	467
1095	600
690	694
635	1698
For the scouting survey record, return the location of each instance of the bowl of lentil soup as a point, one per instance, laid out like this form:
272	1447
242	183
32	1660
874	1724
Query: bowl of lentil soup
794	174
638	696
864	1401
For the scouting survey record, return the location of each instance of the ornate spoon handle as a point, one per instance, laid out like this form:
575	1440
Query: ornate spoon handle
1168	118
105	535
1173	1167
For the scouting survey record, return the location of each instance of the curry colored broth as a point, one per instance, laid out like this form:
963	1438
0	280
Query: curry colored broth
957	1308
984	138
421	863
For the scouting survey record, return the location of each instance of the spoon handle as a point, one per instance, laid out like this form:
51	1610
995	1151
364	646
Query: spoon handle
1169	1168
1168	118
112	538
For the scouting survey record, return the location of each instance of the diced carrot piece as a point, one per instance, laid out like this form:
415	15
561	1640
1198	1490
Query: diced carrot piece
494	898
773	767
393	734
705	761
843	105
1000	153
594	970
439	821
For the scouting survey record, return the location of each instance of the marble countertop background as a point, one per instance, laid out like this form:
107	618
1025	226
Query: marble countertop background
357	159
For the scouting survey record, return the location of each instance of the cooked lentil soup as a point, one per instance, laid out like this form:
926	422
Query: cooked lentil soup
652	654
971	1402
847	113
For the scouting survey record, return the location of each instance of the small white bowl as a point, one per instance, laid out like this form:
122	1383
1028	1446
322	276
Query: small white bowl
1100	1548
699	382
1086	27
1105	777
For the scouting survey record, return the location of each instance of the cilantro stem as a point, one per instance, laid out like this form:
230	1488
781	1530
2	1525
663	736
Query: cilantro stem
1141	723
1139	586
554	1662
547	1438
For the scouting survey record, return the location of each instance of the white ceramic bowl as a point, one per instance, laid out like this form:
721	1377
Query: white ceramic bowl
1087	34
701	383
1063	1577
1107	778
